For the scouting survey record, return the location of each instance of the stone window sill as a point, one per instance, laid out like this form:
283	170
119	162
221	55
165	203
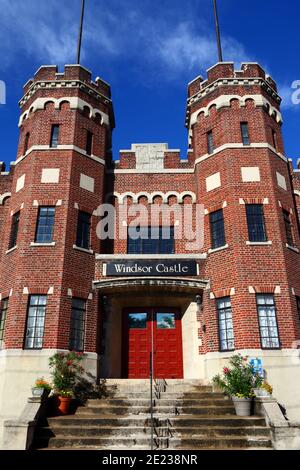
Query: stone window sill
11	249
42	244
259	243
293	248
84	250
214	250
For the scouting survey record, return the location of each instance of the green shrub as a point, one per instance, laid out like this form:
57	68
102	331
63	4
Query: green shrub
239	379
66	370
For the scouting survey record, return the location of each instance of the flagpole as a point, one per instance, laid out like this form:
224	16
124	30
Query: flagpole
218	32
80	32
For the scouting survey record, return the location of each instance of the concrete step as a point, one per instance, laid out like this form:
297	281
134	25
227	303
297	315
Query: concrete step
172	389
168	393
195	443
179	432
145	382
86	442
136	448
181	387
159	397
189	414
145	441
95	431
215	421
217	431
172	401
143	420
161	409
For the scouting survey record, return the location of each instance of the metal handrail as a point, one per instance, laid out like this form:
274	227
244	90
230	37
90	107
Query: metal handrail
151	399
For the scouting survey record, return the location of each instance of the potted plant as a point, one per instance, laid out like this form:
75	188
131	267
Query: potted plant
66	370
239	381
65	398
41	388
265	390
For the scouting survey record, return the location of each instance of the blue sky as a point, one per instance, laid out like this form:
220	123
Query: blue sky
148	50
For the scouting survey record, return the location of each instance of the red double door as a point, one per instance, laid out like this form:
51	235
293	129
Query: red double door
157	329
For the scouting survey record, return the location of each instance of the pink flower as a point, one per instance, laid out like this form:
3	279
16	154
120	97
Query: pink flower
226	370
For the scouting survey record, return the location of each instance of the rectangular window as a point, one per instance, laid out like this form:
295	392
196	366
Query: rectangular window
83	230
217	229
298	306
77	325
35	322
150	240
267	321
3	314
288	227
256	223
89	142
165	321
274	138
14	230
26	142
45	225
225	324
137	321
245	133
54	135
210	143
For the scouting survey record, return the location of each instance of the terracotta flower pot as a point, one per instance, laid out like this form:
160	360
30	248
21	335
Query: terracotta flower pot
64	404
242	406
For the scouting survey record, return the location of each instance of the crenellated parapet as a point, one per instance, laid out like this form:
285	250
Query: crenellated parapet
6	179
74	86
152	158
224	83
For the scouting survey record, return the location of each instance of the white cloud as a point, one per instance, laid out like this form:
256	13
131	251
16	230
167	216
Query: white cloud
171	44
286	92
184	49
38	29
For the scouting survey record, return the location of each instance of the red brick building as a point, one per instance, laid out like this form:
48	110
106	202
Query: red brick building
64	287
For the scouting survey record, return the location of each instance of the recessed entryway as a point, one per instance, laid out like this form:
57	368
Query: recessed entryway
152	333
112	328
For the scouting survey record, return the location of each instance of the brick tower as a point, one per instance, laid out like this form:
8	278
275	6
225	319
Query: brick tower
47	249
244	181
